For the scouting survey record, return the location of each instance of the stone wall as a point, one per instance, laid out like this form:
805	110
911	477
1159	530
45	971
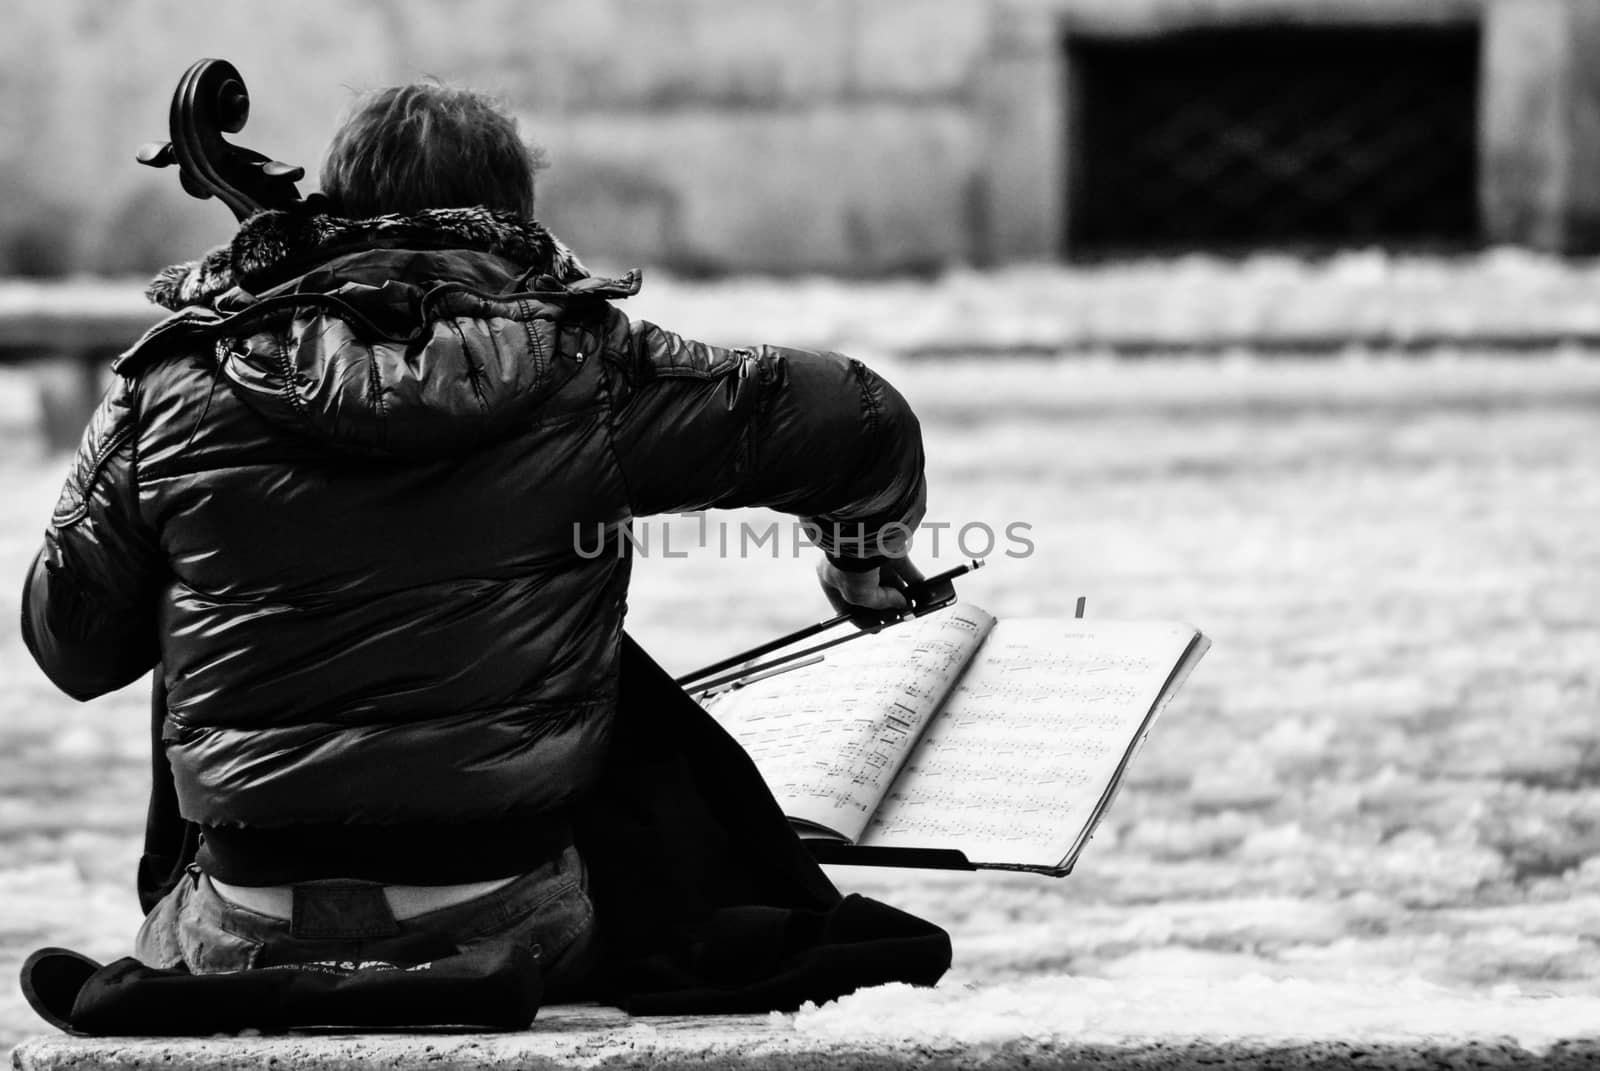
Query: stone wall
783	135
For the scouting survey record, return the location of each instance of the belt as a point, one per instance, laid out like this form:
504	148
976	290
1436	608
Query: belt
405	901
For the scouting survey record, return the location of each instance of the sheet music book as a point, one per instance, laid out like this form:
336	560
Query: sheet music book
961	740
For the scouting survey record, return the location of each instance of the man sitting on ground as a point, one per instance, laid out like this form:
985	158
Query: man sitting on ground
337	508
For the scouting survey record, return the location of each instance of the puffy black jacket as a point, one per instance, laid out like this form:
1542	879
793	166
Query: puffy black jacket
339	499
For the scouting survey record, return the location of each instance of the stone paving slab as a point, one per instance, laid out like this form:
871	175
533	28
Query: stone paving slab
593	1037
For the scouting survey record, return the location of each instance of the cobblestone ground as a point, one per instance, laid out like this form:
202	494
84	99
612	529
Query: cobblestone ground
1387	769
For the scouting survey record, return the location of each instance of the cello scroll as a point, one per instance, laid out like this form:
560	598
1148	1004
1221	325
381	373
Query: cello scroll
211	100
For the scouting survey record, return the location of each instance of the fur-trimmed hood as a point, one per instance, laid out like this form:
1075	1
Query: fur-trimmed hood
272	245
399	335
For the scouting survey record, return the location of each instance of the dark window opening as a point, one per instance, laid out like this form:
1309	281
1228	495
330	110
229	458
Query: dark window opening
1273	136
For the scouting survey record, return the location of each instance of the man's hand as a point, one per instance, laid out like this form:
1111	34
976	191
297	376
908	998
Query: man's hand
866	596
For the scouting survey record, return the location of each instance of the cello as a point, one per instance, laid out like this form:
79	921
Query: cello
211	100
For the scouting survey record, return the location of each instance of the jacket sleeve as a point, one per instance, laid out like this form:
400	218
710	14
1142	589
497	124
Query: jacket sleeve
813	434
89	602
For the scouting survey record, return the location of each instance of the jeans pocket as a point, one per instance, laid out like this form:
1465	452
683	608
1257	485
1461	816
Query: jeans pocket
207	944
547	912
557	926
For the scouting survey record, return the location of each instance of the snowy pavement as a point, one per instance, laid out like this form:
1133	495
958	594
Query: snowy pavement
1374	810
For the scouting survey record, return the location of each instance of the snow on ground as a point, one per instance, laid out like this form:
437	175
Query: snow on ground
1177	1006
1379	798
1200	300
1376	807
1193	299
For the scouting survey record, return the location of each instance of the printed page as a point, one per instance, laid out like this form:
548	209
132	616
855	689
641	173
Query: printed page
828	738
1014	769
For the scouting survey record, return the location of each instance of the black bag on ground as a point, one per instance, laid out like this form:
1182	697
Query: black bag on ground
706	900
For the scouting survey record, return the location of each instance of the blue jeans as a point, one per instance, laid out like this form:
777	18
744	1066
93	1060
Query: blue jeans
548	909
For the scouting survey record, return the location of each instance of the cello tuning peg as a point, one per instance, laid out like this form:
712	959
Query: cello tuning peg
279	169
156	154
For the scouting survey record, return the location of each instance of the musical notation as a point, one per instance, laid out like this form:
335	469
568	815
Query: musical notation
1026	745
829	738
1001	740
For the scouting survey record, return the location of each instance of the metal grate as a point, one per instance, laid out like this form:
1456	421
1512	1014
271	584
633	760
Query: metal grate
1274	136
